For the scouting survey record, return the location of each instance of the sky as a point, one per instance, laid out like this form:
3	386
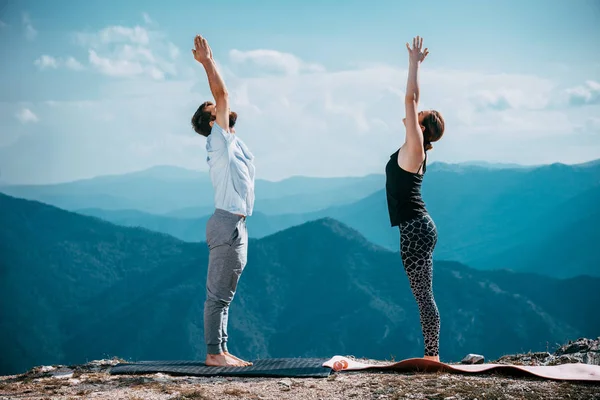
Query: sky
94	87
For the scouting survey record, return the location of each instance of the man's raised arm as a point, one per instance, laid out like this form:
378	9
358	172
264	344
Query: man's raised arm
203	54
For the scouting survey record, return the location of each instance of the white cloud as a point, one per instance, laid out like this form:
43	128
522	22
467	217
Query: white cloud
3	24
73	64
119	51
113	35
46	61
25	115
302	122
120	34
584	94
30	32
283	62
115	67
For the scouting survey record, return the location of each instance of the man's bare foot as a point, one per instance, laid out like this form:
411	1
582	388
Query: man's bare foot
432	358
222	360
246	363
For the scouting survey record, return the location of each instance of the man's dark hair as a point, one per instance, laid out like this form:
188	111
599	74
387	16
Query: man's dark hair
202	119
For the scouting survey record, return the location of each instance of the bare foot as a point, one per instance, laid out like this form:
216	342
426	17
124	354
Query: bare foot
432	358
221	360
246	363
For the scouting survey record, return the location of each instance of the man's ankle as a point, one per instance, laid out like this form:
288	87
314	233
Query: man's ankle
214	349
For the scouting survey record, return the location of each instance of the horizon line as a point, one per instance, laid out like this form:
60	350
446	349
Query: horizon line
473	163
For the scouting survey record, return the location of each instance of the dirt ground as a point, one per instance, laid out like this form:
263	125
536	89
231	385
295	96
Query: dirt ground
92	381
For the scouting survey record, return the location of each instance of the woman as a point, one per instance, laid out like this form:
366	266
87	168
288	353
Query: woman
404	175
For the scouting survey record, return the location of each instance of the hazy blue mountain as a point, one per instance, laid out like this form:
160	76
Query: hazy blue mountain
76	288
183	193
563	241
481	213
158	189
486	218
192	229
190	212
487	164
187	229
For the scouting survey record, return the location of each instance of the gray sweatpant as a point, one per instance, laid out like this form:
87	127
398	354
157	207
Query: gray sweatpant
227	239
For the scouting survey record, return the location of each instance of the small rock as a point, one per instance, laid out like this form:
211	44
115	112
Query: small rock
286	383
160	377
473	359
47	368
62	373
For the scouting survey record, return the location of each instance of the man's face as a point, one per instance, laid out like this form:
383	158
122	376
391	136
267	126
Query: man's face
212	109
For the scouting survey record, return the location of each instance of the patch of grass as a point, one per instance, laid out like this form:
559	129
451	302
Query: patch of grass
567	390
54	383
77	373
27	377
236	392
95	378
129	381
192	394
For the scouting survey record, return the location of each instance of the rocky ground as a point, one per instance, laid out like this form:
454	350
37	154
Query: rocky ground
92	381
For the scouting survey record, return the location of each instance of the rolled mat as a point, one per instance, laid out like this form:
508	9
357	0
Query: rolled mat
563	372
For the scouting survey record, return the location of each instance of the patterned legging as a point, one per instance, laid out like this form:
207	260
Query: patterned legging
418	238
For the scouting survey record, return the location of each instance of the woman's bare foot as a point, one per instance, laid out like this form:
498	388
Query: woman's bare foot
432	358
246	363
222	360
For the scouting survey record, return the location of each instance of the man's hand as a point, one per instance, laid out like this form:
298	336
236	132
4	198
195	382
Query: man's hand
202	52
416	54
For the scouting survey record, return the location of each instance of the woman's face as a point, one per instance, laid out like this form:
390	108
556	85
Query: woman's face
421	116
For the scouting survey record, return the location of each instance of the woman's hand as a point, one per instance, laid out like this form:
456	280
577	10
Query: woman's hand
416	54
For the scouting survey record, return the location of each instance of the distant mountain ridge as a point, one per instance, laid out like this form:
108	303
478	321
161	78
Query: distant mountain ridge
166	190
486	218
86	288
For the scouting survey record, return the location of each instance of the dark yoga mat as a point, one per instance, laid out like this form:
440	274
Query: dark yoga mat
275	367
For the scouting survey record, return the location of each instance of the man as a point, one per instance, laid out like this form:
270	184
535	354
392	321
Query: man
232	174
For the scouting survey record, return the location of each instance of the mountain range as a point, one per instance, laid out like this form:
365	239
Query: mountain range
180	192
75	288
488	218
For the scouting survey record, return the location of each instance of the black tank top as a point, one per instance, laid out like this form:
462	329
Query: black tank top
403	190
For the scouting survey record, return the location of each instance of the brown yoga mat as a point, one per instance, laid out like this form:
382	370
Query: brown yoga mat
563	372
